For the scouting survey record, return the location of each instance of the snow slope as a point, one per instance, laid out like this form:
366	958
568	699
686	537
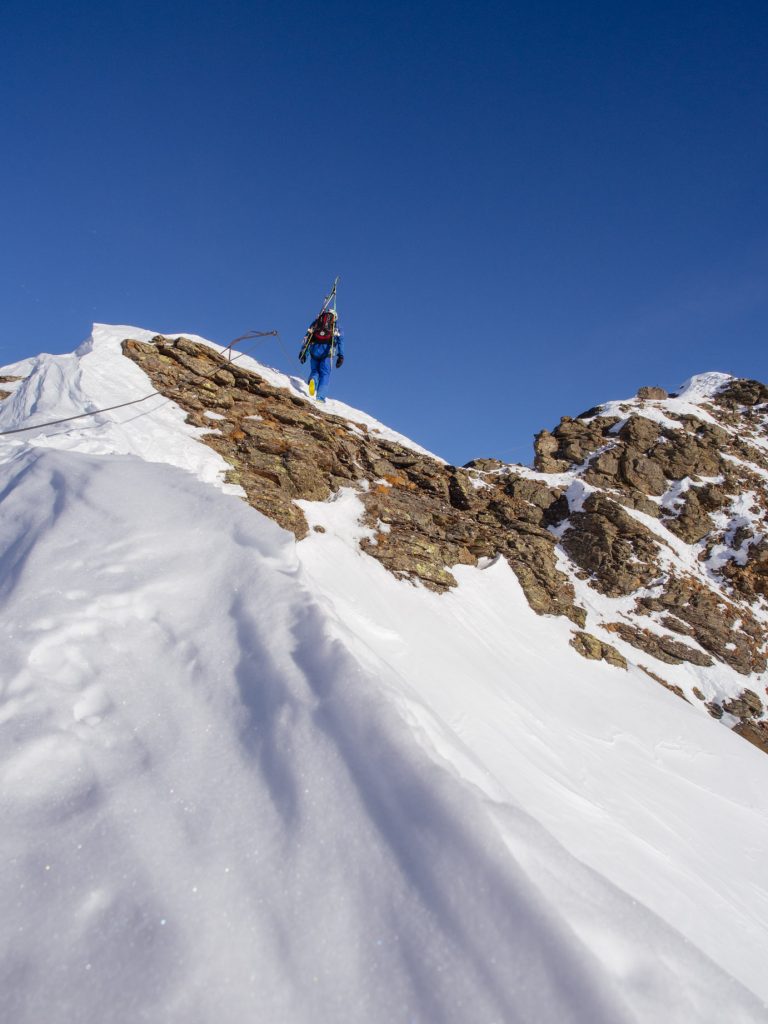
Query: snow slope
243	779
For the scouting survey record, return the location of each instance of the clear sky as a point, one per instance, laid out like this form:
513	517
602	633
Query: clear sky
534	207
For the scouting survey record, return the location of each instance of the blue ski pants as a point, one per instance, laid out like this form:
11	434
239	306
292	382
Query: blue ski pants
321	373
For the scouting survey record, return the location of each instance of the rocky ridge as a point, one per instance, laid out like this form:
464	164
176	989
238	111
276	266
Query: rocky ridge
643	522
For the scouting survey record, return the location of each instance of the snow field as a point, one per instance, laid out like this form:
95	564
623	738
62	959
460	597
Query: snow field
244	779
213	812
608	763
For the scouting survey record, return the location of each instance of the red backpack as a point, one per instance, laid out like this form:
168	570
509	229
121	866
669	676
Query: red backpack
323	327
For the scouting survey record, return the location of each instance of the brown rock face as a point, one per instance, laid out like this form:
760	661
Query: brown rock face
664	648
692	452
751	579
746	705
743	392
571	442
618	553
590	647
545	447
652	393
730	633
693	521
426	516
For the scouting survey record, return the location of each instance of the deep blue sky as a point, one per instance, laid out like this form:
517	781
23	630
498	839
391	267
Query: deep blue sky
534	207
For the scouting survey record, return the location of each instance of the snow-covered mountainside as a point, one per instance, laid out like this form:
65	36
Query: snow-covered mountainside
386	740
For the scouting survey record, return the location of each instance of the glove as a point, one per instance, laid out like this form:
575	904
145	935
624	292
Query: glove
302	357
339	361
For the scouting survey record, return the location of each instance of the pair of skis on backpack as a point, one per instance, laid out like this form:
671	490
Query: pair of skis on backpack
322	331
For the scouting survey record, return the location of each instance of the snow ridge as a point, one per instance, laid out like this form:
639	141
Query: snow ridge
248	779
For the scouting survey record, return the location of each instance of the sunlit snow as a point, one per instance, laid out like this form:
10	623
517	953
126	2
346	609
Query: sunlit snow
244	779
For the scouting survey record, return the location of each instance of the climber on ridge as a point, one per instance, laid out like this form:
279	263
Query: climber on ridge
324	343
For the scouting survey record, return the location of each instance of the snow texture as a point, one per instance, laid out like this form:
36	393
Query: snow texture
688	401
243	779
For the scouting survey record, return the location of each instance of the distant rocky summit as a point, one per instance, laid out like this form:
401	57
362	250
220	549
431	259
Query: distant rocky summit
642	521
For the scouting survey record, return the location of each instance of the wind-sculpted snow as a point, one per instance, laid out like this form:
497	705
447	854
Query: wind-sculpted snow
243	779
210	810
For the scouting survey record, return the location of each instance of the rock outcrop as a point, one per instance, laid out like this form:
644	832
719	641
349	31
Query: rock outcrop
619	553
657	506
424	516
662	647
590	647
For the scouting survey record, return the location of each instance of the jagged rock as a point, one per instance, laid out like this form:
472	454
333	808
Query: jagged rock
691	454
577	439
664	648
640	433
460	490
743	448
528	501
619	553
741	534
637	500
676	625
742	392
603	469
533	491
712	497
557	512
642	473
547	590
545	446
751	579
652	393
587	646
590	647
692	522
731	634
746	705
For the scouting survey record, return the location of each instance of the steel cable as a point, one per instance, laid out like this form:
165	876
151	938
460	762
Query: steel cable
255	335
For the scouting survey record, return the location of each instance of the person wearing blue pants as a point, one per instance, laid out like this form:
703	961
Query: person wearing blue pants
325	340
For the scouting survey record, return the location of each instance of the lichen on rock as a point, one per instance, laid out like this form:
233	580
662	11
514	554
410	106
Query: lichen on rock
590	647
